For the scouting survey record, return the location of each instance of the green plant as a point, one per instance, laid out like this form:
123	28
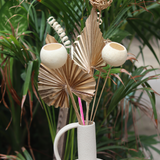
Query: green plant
19	156
20	50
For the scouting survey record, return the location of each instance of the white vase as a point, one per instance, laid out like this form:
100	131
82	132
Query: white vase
86	138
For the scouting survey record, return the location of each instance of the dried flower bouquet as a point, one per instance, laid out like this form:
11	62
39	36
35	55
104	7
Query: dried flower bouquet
61	75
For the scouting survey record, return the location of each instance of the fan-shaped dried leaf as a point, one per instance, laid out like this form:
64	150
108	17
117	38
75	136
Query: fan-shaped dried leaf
52	85
88	46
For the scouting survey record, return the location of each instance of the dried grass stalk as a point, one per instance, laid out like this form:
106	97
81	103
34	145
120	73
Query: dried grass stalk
53	88
88	46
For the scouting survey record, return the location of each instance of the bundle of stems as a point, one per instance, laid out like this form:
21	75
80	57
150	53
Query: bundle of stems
92	116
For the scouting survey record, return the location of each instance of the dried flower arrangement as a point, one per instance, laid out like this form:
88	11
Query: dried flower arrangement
61	75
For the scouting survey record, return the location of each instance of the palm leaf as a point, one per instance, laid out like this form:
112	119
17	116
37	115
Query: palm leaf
52	85
88	46
130	86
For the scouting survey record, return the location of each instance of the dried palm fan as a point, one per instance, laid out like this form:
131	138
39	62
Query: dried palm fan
86	50
101	4
52	85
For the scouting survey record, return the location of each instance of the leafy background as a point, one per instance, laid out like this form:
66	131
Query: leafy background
23	29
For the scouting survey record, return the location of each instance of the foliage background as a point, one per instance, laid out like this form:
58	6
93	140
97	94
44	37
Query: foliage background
23	29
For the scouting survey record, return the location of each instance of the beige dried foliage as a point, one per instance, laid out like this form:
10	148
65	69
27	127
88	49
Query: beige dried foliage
101	4
53	88
50	39
88	46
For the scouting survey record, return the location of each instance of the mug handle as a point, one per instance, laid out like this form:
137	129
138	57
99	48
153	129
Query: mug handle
59	134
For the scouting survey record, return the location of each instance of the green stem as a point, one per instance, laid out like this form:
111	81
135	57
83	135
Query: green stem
137	57
66	155
112	12
49	122
14	112
54	119
131	41
72	141
49	117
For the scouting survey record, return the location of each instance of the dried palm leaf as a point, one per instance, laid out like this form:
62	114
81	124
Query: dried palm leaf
53	84
101	4
86	51
50	39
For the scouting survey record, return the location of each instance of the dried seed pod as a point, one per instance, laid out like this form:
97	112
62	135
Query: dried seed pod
53	55
114	54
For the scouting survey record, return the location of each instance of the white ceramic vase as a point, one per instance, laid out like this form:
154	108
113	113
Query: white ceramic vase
86	138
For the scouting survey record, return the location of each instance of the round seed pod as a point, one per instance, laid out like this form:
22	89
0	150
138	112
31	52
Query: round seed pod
53	55
114	54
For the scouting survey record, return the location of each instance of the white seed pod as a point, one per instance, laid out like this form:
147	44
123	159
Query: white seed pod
53	55
114	54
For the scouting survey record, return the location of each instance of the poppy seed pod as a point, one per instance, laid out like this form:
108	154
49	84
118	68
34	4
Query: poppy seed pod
53	55
114	54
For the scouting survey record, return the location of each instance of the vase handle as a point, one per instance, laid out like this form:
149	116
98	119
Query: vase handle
59	134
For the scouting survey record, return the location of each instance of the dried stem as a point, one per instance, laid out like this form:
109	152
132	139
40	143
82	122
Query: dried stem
73	101
95	95
74	105
87	113
101	93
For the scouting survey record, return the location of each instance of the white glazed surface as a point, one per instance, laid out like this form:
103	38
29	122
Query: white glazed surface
86	141
113	56
58	136
53	58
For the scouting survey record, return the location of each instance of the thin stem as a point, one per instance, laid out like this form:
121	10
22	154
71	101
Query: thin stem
95	95
54	120
130	41
112	15
72	142
72	98
87	113
66	155
101	93
49	122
